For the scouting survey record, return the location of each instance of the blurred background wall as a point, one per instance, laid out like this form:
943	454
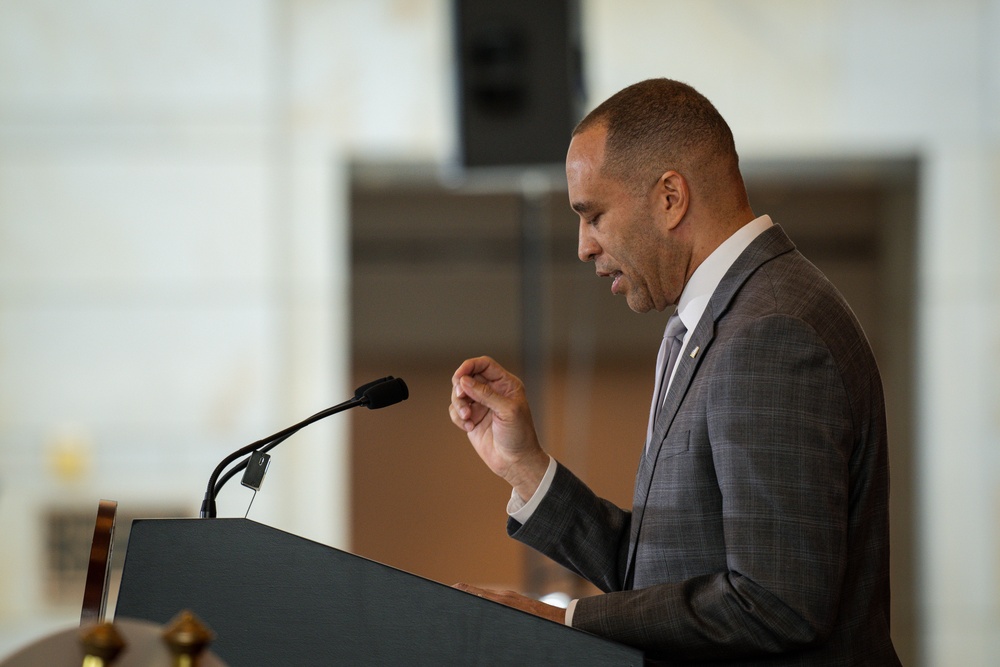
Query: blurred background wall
179	187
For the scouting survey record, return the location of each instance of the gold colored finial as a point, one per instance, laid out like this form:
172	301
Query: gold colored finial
187	637
101	645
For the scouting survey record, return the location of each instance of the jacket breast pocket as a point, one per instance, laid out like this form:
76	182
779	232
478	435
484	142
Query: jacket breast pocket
675	443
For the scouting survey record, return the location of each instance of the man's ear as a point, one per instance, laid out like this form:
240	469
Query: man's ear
673	197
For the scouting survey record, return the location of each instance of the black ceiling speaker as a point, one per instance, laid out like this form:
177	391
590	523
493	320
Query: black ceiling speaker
520	81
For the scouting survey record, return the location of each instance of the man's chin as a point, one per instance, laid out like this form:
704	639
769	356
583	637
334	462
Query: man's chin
641	303
638	305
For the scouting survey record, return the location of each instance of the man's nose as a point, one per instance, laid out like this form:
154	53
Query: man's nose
587	248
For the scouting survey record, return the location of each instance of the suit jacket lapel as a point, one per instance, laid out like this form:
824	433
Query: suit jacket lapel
769	244
686	367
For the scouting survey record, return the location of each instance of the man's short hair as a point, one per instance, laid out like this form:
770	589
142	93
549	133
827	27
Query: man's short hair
658	125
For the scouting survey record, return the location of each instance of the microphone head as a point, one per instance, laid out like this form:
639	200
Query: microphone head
360	391
387	392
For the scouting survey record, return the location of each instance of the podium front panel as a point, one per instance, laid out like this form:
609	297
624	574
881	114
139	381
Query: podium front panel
275	598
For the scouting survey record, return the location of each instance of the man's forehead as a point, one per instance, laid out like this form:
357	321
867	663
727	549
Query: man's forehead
589	142
585	156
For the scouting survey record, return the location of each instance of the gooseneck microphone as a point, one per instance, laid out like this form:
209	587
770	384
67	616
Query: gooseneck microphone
376	394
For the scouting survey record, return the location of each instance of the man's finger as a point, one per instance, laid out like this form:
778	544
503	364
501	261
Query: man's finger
481	392
472	366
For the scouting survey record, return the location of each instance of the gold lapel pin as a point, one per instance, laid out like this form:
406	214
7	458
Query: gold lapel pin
694	352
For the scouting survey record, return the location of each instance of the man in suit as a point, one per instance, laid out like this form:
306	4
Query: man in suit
759	529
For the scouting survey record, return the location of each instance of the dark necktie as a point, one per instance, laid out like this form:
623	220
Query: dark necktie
670	348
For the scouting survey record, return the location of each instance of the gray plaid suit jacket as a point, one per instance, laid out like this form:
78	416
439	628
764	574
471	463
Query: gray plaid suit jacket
759	531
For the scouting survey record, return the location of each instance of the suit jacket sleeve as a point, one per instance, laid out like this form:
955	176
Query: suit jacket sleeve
779	428
584	533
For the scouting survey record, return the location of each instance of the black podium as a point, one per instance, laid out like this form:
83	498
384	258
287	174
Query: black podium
273	598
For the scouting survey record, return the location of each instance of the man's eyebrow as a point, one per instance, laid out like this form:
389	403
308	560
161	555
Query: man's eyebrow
582	206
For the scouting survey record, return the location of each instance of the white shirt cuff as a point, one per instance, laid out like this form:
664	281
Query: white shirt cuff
521	511
570	610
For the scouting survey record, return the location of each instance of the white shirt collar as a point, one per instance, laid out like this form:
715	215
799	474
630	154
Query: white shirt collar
706	278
